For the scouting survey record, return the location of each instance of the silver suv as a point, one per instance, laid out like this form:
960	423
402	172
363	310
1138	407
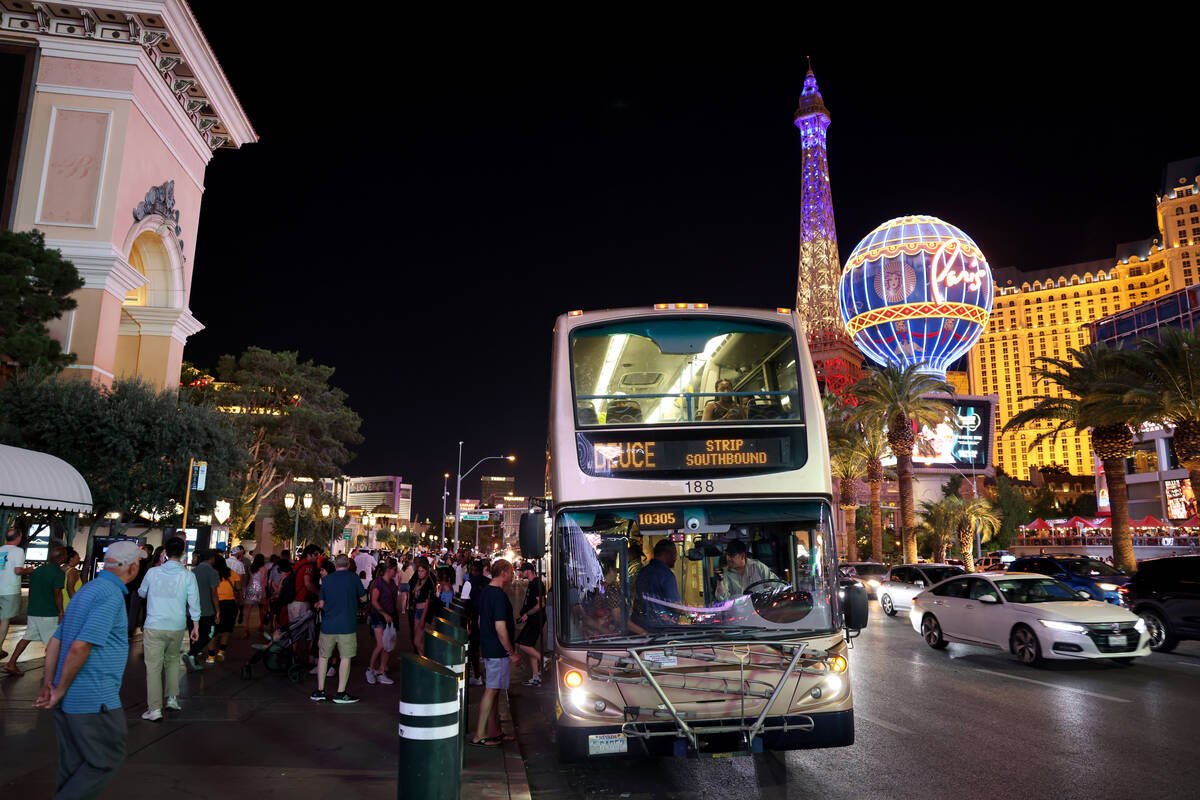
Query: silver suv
906	581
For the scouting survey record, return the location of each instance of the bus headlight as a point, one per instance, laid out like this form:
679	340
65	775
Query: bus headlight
834	684
573	679
579	698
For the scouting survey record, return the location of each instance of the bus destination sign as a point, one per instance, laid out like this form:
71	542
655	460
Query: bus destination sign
717	453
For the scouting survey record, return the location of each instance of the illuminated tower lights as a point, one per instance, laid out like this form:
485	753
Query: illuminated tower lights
816	289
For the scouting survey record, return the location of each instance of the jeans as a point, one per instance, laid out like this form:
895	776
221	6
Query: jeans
90	748
161	648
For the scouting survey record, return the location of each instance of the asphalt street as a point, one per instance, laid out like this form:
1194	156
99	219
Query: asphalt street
962	722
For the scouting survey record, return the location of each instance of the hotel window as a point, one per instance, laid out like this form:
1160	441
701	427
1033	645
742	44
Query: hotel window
1196	220
1179	222
1179	211
1196	232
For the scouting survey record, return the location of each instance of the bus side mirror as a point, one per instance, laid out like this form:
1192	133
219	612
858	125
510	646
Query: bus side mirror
854	605
533	535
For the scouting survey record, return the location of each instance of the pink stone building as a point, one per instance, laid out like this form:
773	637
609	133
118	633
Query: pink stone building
120	105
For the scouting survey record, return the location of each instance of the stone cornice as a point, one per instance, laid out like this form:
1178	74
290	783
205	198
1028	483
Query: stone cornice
100	265
178	323
178	60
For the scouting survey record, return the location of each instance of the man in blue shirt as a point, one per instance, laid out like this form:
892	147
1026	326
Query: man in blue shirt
340	595
84	664
656	581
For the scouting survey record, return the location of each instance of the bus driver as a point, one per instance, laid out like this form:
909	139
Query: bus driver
743	571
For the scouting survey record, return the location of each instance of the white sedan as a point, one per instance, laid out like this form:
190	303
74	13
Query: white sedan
1032	616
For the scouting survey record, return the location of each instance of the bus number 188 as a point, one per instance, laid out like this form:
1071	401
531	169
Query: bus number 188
699	487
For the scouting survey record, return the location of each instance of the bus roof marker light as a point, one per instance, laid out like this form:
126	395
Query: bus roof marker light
660	306
784	310
701	305
681	305
576	313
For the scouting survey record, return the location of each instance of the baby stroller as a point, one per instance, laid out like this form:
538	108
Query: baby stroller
279	654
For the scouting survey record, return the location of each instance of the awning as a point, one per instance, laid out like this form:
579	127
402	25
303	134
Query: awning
1149	521
1037	525
40	481
1078	522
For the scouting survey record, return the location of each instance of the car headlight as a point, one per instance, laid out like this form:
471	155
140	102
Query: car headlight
1107	587
1068	627
874	584
1140	625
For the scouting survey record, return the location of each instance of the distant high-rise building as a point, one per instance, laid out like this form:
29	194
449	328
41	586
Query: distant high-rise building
496	486
370	493
1046	312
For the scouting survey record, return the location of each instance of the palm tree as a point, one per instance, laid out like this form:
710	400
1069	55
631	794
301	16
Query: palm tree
874	448
1096	381
848	466
901	397
938	519
1171	394
976	514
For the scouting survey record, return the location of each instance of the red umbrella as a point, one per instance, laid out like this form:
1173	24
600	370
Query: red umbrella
1078	522
1038	524
1191	522
1149	522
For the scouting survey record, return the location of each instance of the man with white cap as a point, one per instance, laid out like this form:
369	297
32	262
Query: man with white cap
85	661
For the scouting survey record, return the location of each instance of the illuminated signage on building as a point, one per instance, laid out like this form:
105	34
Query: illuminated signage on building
715	453
961	440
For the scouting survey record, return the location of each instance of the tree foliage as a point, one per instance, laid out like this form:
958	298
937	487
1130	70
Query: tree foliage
291	422
1012	508
131	443
35	288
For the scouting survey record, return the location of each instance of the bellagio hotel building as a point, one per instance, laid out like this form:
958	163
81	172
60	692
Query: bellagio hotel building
1046	312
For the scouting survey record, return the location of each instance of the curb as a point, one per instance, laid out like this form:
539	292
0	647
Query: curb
514	764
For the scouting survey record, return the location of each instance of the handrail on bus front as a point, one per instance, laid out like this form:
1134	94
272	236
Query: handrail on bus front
755	728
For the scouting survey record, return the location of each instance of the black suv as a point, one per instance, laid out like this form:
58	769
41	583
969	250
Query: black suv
1165	593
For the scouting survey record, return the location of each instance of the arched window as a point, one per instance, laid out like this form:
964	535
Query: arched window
1074	279
1089	292
1026	301
1062	282
1179	211
1192	208
1037	286
1025	287
1142	285
1077	294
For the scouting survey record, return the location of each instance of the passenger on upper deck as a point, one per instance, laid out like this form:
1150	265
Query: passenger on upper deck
743	571
656	581
726	407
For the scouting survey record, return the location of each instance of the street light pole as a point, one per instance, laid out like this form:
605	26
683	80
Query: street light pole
458	485
442	527
289	502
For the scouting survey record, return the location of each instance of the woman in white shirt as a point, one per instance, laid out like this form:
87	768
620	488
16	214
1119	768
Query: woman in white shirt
403	576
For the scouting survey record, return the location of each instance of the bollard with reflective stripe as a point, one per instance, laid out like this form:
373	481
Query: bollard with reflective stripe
457	617
451	654
430	731
447	627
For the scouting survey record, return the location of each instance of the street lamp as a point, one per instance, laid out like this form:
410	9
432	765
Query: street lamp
442	527
289	502
458	487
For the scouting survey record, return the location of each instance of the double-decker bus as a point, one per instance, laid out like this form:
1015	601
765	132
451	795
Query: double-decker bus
694	586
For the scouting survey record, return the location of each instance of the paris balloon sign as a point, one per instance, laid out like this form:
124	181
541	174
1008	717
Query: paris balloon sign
916	290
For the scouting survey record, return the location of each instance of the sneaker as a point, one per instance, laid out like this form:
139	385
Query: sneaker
173	704
371	677
475	681
192	664
384	679
345	697
210	659
313	671
536	680
318	695
221	655
152	715
329	673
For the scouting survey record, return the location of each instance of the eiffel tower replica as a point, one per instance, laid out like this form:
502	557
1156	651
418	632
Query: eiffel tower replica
838	362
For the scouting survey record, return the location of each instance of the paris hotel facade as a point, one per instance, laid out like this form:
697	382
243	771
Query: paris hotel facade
1044	313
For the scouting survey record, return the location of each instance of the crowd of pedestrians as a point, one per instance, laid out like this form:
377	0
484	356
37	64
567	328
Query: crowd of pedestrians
187	617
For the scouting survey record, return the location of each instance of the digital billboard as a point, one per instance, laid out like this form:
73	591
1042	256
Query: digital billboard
1181	502
962	440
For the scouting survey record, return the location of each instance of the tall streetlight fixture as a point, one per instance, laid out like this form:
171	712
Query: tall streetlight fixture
445	496
289	502
458	488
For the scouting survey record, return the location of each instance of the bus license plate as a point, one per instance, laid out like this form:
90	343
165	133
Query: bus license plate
1118	641
600	744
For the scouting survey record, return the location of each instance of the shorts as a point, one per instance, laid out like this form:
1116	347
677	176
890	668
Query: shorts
346	644
418	614
497	673
532	630
404	588
298	612
376	620
40	629
229	611
9	604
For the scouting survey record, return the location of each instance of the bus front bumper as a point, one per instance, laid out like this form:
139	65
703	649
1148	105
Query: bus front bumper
828	729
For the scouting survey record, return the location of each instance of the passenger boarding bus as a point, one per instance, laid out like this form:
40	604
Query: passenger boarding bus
693	581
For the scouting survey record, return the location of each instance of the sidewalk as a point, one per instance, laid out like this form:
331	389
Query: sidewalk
260	738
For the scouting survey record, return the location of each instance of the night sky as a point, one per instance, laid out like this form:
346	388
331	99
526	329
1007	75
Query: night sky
418	212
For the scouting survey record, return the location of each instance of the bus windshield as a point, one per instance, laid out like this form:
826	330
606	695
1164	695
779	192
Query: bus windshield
664	371
711	570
